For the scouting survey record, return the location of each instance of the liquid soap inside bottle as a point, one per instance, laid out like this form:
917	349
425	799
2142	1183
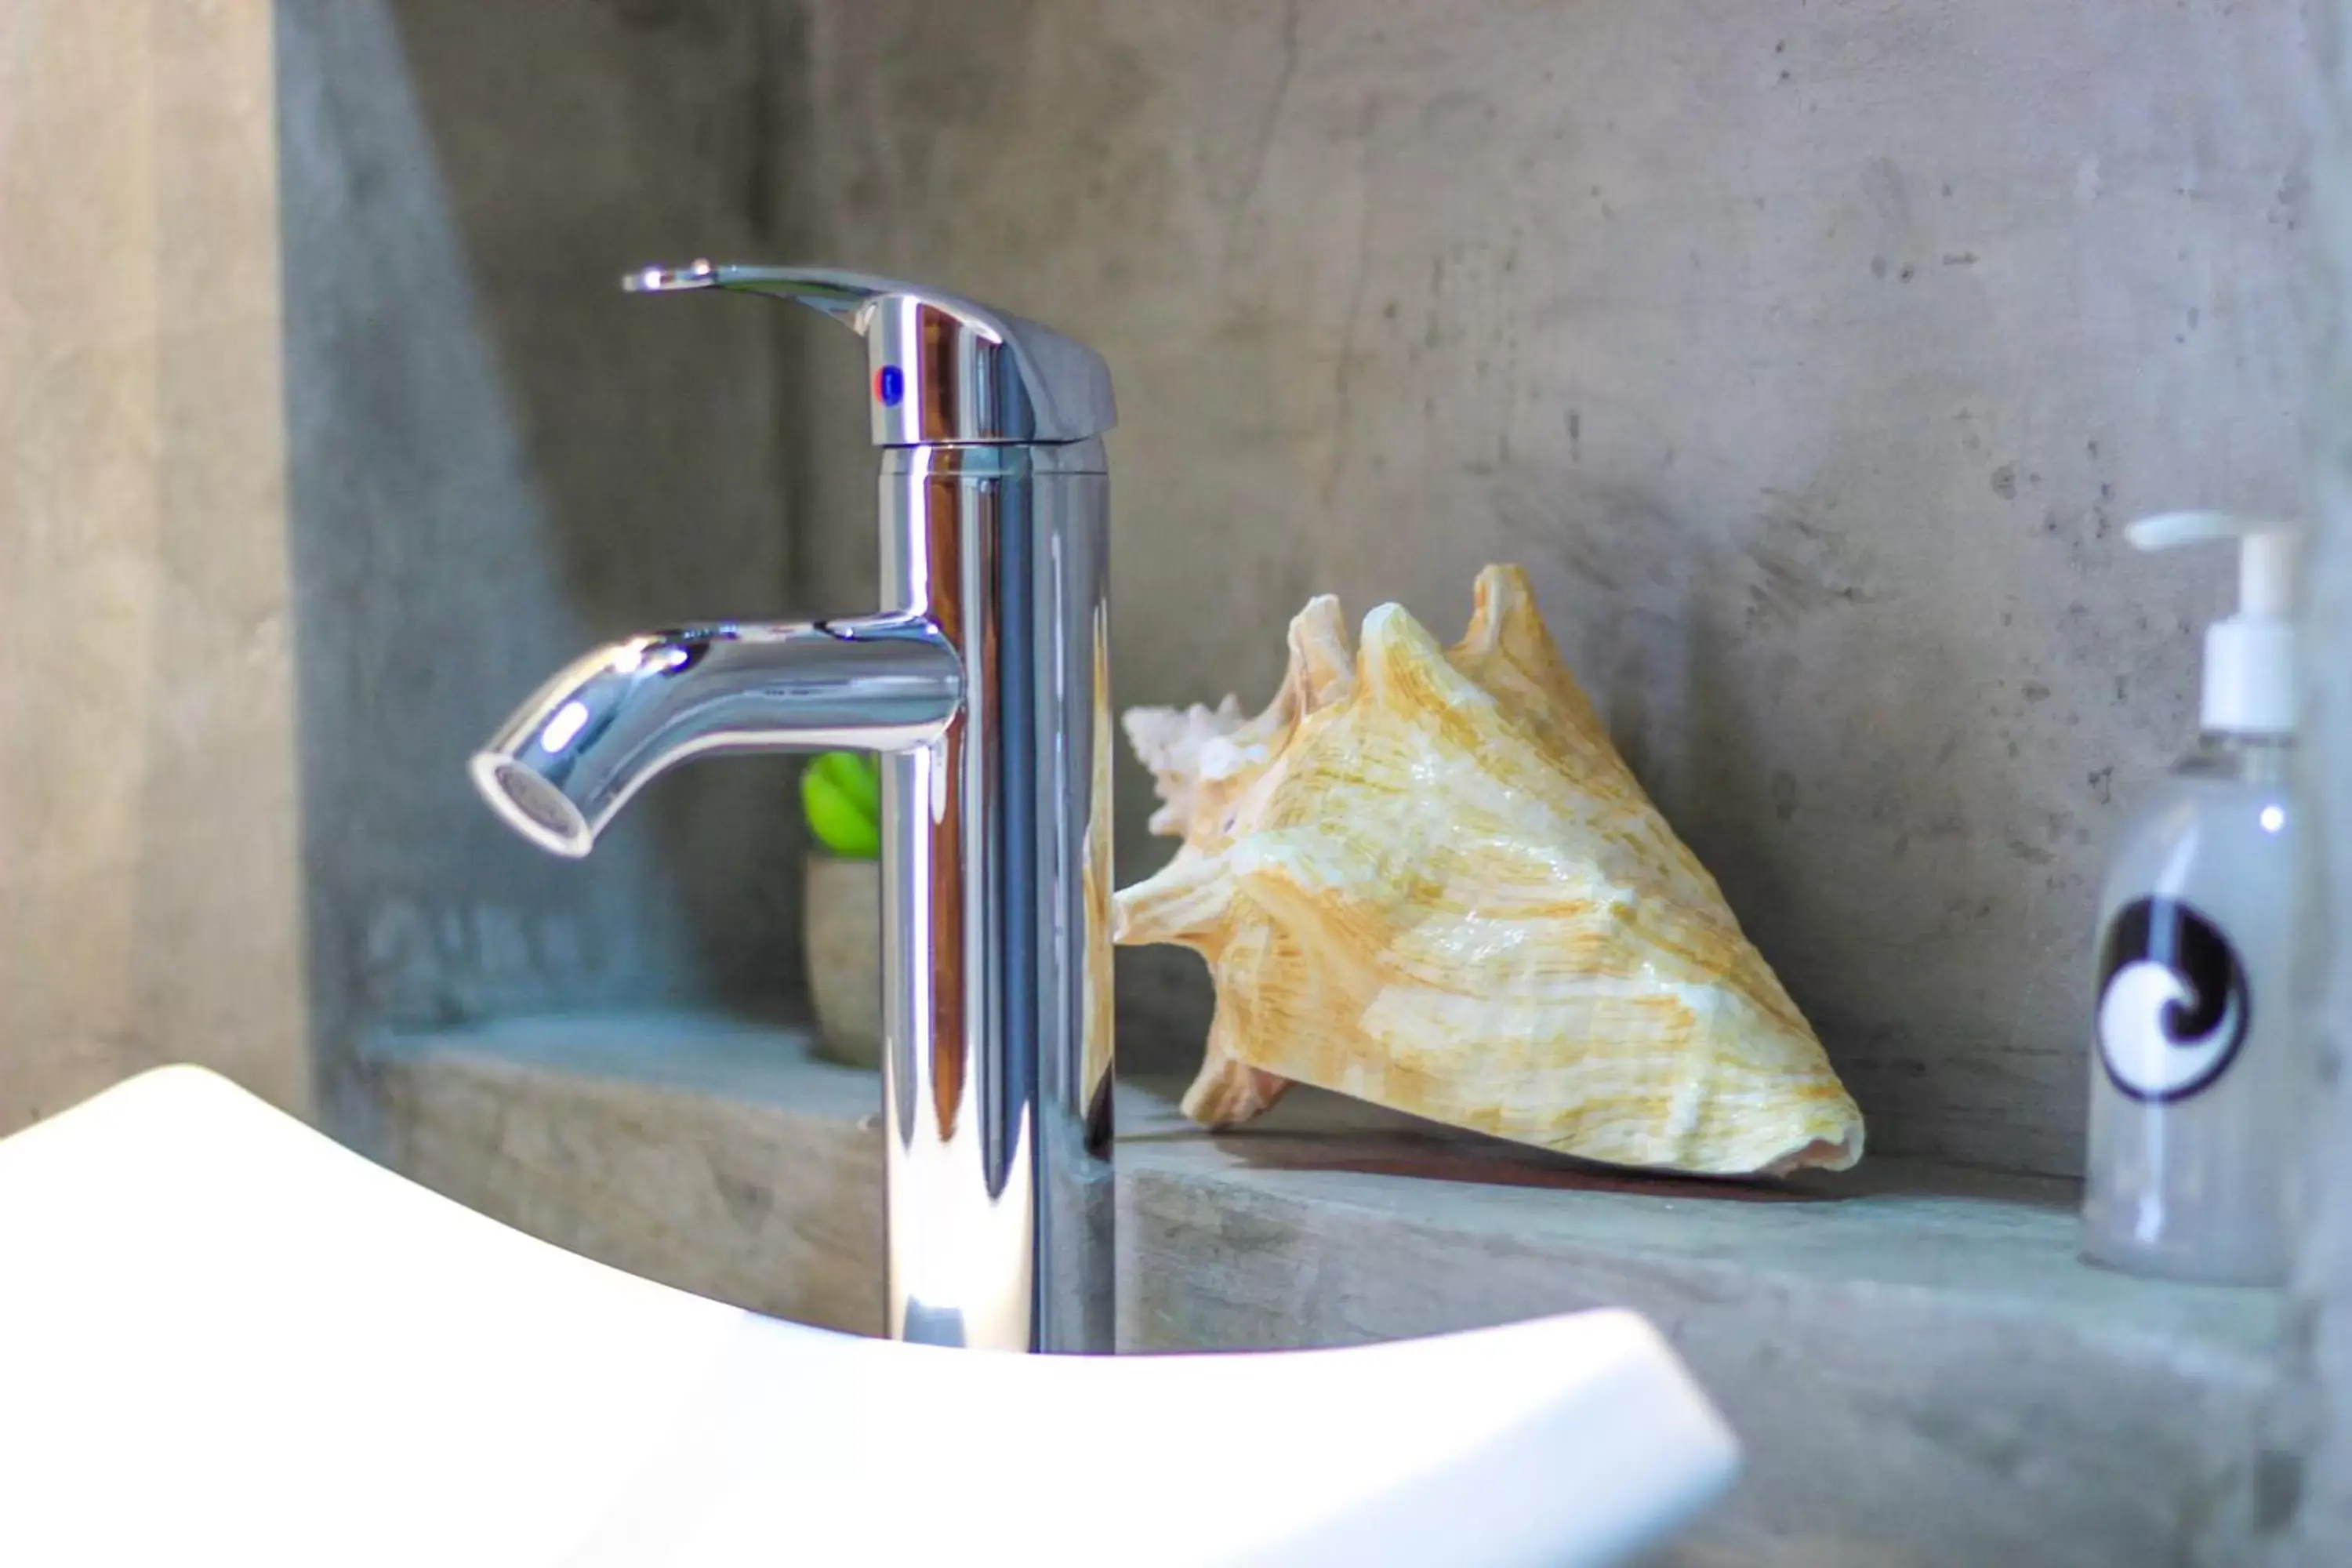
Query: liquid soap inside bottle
2194	1087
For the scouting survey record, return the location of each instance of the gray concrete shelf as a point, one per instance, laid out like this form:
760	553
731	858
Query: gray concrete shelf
1922	1370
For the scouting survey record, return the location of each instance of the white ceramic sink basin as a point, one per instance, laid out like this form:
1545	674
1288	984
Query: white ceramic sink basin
225	1339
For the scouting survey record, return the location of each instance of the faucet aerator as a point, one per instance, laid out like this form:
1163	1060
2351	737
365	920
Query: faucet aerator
531	805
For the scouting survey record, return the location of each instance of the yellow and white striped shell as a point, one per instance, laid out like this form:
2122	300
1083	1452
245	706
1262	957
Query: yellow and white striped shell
1424	877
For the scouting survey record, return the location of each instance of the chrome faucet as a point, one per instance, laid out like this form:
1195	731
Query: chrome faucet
983	680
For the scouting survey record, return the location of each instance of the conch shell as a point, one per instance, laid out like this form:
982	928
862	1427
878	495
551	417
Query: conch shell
1424	877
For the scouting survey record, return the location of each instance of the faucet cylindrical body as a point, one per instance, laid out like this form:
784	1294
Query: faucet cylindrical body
996	905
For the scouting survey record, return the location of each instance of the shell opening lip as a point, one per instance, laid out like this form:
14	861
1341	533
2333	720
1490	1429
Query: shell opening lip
531	805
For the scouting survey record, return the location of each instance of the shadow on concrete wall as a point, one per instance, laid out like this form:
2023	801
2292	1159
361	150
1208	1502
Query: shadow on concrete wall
498	458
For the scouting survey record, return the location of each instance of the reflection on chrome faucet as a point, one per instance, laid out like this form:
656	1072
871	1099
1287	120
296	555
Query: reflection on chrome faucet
983	681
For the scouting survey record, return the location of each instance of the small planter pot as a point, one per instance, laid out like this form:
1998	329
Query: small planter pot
841	929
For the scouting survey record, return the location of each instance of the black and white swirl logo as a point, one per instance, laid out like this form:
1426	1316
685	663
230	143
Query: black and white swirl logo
2173	1007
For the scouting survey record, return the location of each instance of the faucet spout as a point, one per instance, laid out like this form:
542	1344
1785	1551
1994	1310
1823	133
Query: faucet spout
570	758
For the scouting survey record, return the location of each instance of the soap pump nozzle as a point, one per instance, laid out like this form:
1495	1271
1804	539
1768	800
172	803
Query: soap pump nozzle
2250	682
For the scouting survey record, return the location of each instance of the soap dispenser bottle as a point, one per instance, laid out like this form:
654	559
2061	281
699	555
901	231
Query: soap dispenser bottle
2194	1075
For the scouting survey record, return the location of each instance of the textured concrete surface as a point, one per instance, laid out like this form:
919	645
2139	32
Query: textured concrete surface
1920	1368
1808	355
2309	1467
151	905
1918	1377
497	459
673	1147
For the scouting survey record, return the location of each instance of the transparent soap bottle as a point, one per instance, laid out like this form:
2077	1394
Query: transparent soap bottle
2196	1066
2194	1087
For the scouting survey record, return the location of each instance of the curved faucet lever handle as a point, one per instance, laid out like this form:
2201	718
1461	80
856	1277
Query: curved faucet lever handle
941	369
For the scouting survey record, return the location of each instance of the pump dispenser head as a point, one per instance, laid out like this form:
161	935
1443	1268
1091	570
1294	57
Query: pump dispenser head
2250	656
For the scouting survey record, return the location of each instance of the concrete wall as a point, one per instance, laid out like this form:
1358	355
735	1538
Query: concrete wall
2309	1470
151	904
497	460
1808	355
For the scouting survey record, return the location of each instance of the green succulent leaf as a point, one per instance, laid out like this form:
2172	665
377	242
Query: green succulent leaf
858	775
841	792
